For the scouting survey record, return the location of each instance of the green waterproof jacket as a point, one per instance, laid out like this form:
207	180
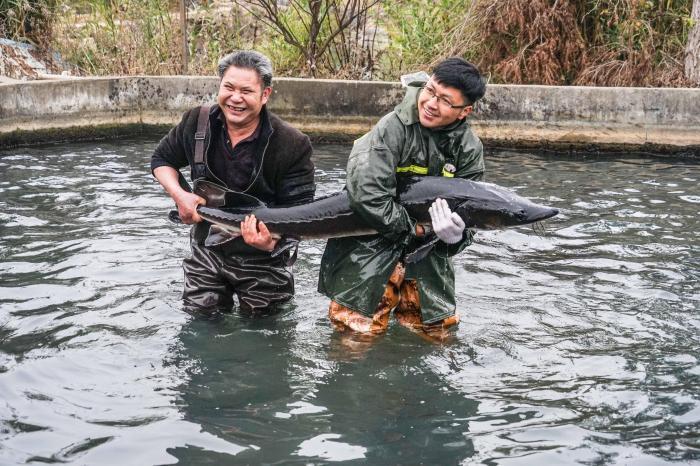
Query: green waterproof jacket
355	270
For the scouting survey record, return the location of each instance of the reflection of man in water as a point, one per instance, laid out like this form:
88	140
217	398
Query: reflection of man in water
240	145
426	134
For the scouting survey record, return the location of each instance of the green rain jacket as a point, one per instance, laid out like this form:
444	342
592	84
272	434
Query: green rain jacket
355	270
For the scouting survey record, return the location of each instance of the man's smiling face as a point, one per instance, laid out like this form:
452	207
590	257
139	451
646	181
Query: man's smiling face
241	96
440	105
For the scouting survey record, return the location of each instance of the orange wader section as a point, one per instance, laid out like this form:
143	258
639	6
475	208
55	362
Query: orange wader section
400	294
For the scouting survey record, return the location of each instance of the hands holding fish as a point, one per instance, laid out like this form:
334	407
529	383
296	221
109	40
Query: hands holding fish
187	207
256	234
447	225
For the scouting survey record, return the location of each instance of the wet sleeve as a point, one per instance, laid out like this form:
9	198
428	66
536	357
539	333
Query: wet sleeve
371	182
170	151
297	185
470	158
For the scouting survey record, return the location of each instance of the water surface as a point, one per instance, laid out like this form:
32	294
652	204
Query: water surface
577	346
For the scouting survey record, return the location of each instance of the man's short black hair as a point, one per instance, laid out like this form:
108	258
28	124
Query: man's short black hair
460	74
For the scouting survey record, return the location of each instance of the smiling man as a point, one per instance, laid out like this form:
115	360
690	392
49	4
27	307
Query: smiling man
239	145
426	134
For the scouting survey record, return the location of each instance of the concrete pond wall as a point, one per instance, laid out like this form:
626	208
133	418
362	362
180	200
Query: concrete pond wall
664	121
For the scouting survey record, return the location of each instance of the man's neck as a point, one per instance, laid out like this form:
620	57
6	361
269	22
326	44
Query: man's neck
238	133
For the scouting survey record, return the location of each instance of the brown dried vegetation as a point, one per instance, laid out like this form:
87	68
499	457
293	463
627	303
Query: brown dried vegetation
635	43
593	42
530	41
555	42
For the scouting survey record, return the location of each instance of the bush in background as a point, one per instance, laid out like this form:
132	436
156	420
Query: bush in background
587	42
27	21
126	37
578	42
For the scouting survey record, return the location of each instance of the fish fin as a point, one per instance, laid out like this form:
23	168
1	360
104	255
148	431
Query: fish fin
218	236
284	245
421	251
174	216
539	229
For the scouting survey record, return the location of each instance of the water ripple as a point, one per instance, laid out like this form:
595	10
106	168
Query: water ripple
578	342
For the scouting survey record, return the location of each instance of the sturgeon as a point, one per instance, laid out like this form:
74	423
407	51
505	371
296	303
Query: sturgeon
481	205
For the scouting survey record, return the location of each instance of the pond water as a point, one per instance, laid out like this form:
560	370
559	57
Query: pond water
580	345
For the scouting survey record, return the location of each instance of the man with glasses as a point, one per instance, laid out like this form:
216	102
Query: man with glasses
426	134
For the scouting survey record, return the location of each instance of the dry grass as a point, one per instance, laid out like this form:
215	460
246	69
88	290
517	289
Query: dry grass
529	41
27	21
128	38
635	43
563	42
588	42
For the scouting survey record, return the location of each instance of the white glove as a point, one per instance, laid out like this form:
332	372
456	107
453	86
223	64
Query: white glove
447	225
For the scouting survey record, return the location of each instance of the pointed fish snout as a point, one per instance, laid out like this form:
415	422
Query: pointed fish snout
541	213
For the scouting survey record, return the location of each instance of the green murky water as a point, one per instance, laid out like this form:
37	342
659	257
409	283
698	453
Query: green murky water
580	346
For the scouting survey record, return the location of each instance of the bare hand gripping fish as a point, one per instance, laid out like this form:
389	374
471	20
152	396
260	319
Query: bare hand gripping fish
481	205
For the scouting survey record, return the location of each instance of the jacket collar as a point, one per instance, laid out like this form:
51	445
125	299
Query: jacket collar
407	110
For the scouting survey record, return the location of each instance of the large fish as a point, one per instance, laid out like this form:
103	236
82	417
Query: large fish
481	206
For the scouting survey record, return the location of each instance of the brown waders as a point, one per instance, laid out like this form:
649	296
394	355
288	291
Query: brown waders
403	297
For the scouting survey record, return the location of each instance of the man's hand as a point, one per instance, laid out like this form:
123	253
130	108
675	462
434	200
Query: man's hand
256	234
447	225
187	207
186	202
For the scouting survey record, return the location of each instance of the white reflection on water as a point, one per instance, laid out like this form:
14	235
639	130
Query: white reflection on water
326	447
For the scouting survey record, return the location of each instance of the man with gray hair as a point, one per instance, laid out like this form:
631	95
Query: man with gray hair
241	147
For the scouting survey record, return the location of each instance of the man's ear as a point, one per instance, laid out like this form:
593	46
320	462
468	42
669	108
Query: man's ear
266	94
466	111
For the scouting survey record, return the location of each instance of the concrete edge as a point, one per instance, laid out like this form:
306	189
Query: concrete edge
546	117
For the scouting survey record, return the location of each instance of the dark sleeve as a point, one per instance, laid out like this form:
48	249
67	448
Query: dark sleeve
171	150
296	184
471	168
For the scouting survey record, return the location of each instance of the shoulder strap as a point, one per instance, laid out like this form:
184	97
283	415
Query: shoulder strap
198	168
202	126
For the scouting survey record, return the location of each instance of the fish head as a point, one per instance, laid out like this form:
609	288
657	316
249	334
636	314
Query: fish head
501	208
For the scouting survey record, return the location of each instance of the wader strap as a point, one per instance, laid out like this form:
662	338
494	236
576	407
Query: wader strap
202	126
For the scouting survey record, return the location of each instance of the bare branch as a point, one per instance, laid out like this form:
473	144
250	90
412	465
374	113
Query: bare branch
344	25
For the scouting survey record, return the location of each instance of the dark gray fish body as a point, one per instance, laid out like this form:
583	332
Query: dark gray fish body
481	205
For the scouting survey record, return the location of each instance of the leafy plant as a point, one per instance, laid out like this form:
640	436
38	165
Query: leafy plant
419	33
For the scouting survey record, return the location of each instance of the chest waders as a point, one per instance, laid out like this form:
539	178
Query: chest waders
213	275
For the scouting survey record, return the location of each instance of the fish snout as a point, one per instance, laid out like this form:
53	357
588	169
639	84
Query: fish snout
539	214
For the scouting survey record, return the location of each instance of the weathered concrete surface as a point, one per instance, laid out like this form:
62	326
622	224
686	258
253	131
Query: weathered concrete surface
21	61
571	118
592	117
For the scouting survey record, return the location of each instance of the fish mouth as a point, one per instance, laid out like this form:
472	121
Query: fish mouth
537	214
